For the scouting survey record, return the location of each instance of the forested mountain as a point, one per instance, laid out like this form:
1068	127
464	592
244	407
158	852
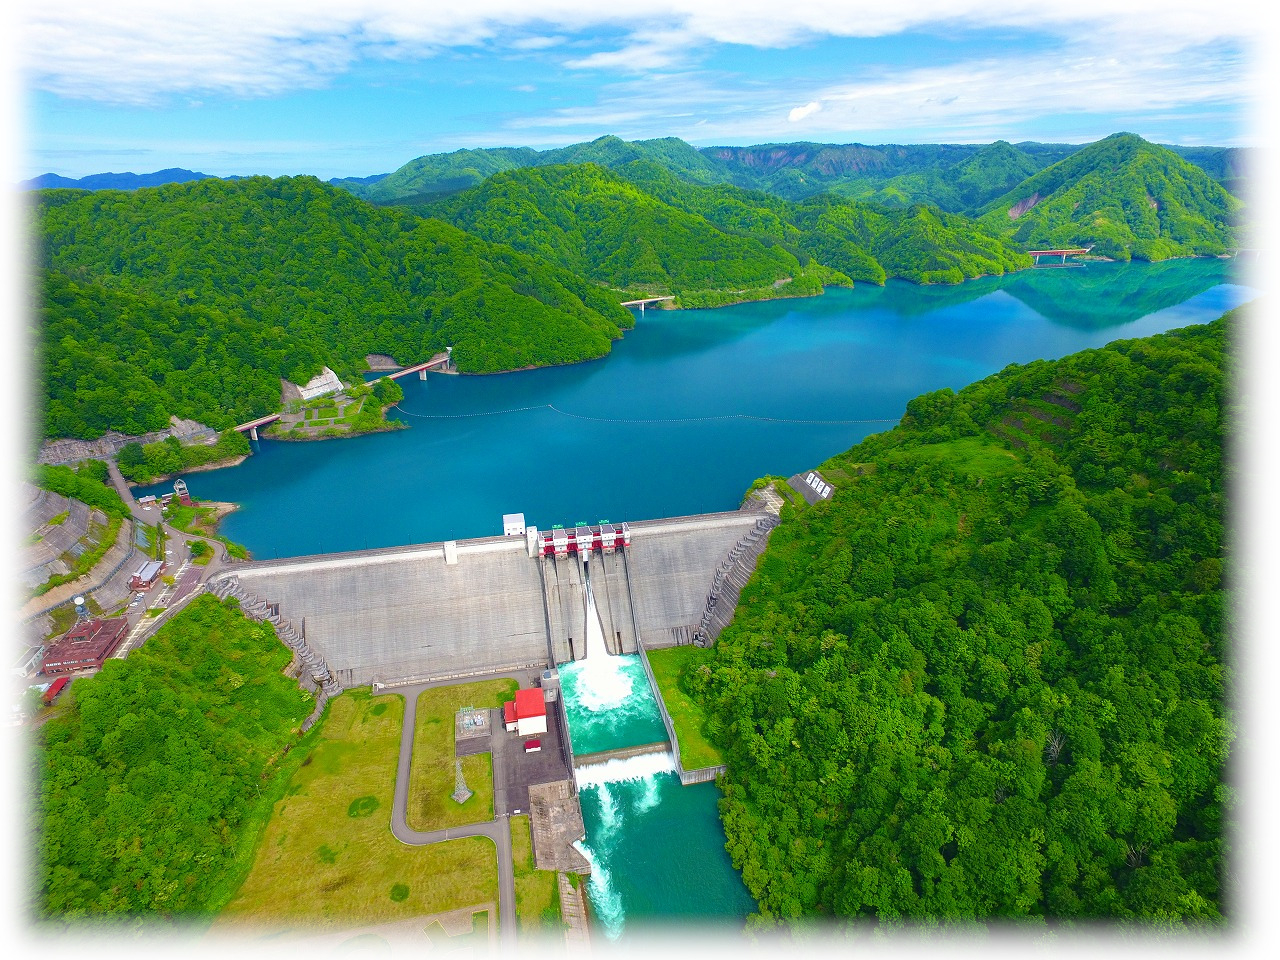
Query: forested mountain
440	174
646	228
964	187
987	678
285	276
798	170
114	181
604	227
1126	197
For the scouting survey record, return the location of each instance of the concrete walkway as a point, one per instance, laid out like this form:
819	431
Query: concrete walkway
498	830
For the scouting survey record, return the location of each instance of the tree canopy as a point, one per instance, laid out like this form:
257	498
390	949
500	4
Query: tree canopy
986	680
147	786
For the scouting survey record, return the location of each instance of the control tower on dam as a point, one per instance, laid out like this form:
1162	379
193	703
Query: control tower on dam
454	609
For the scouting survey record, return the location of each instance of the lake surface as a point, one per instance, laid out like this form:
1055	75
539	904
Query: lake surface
689	408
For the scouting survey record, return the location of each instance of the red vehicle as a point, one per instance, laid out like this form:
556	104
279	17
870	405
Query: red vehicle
55	688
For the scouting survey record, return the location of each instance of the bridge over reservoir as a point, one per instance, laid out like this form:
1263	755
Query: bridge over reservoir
1062	252
460	608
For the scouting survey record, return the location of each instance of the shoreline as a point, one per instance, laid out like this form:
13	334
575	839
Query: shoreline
215	465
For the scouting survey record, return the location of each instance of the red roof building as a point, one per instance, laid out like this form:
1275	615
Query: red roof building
86	646
531	712
55	688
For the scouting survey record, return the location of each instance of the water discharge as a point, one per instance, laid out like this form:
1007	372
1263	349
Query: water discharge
602	684
656	848
607	698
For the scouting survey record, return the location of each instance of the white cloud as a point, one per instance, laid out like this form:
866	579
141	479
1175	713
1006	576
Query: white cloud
799	113
977	100
140	51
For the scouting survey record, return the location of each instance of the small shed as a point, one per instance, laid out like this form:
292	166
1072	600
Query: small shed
513	524
145	577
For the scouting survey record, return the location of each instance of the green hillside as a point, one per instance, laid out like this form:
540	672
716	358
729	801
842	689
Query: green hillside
642	227
987	679
435	175
1125	197
601	226
964	187
153	784
296	274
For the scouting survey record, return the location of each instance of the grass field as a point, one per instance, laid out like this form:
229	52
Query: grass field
537	892
695	750
431	778
327	859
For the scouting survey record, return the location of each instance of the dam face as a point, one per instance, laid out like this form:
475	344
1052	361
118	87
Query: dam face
437	611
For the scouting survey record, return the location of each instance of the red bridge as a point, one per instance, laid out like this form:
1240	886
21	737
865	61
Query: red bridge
253	425
439	360
1059	253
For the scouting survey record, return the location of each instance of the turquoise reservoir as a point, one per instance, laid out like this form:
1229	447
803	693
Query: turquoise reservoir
688	409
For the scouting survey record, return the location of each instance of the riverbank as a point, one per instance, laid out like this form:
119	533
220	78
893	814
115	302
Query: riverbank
201	468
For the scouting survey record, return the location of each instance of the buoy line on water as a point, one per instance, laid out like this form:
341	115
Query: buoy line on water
580	416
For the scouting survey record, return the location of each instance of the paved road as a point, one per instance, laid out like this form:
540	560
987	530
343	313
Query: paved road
498	830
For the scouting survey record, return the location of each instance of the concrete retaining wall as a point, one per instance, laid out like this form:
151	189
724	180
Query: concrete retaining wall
671	566
388	615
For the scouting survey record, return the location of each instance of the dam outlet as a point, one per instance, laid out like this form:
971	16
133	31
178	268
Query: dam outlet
656	848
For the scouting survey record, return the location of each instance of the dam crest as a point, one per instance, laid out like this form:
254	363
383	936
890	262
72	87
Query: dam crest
462	608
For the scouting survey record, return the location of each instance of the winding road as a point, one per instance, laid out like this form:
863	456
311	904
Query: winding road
498	829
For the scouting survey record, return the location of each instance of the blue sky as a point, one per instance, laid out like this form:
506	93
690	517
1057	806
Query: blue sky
357	87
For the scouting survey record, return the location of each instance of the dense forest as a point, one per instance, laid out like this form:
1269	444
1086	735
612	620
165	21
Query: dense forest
152	783
328	277
1125	197
987	679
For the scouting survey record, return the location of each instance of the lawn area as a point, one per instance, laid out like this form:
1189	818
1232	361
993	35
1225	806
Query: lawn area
327	859
695	750
431	779
537	891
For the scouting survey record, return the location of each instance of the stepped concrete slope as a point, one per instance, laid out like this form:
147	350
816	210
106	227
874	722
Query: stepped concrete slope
672	565
407	614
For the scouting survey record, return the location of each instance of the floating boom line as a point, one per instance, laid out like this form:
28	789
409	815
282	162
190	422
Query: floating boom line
581	416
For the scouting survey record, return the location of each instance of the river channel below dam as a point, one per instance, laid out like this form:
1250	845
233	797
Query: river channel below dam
688	409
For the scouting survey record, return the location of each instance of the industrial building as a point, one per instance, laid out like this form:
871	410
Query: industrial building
86	646
526	714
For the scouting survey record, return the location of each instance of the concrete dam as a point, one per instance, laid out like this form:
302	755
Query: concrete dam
466	607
